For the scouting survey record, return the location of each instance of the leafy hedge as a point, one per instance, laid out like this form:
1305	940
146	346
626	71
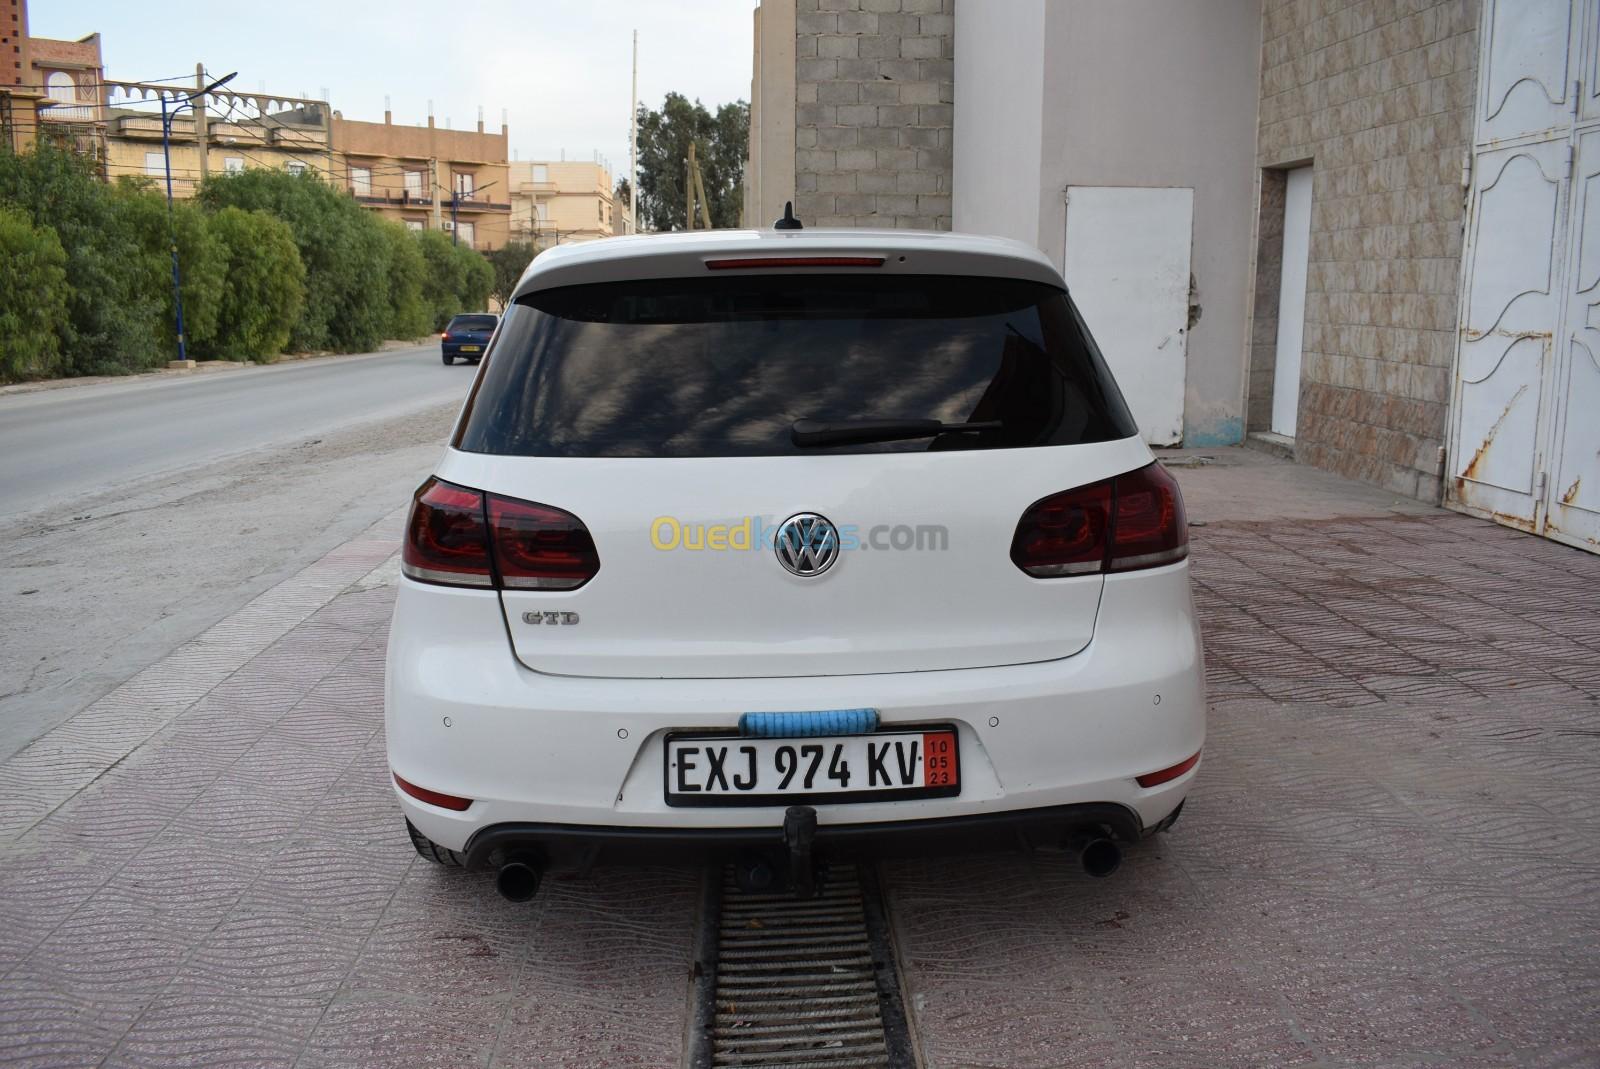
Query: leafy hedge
270	261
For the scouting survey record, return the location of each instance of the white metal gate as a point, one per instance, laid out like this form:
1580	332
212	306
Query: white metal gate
1525	426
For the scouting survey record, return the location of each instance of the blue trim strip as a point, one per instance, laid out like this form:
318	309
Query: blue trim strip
809	724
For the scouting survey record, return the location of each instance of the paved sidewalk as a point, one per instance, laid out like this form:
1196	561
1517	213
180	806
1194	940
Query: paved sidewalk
1392	856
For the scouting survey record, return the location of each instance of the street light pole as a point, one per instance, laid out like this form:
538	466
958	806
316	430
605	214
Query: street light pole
172	231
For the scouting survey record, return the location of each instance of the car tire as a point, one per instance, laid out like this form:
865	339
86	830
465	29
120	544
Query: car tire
448	359
432	851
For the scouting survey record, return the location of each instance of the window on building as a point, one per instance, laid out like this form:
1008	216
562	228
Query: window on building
544	212
465	234
361	181
233	165
62	89
541	173
414	224
295	167
414	183
155	163
463	185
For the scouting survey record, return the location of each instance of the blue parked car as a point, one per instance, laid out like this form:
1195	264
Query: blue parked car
467	336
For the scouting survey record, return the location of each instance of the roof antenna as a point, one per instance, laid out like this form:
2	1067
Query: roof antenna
788	222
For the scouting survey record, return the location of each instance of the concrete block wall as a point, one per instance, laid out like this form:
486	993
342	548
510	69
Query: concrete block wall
1379	98
874	111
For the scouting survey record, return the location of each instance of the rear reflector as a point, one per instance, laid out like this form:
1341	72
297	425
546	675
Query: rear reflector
755	262
457	536
1166	775
422	794
1119	525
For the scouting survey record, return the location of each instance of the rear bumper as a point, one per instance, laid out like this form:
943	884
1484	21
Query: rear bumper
455	351
544	753
565	845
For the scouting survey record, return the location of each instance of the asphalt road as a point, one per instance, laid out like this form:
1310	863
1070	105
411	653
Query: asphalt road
134	515
59	444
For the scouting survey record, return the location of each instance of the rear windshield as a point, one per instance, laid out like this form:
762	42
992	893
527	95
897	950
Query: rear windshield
472	323
724	366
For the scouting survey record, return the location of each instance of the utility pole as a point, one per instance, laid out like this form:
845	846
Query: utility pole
202	135
172	233
433	180
688	189
633	143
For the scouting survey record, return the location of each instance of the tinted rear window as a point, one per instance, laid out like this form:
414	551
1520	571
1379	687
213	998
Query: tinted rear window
472	323
724	366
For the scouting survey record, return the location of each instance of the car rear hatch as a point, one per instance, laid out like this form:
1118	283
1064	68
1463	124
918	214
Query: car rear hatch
663	416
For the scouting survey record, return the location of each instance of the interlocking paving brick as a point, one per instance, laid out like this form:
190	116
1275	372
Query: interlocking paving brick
1390	858
1385	860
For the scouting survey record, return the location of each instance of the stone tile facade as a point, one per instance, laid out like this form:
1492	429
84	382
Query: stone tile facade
1378	97
874	91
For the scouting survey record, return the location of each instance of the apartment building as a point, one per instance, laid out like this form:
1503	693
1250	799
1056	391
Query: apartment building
19	92
237	132
42	80
429	178
556	201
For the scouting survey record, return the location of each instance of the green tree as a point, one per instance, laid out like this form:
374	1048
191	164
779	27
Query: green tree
457	279
33	302
477	279
266	284
408	312
508	263
342	246
112	310
721	142
143	210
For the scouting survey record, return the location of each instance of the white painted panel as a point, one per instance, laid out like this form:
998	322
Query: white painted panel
1292	300
1525	86
1127	266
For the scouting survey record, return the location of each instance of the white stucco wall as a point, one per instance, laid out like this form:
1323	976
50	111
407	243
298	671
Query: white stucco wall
1052	93
1155	93
999	108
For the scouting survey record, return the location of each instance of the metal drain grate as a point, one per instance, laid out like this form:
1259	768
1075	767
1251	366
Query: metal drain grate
802	984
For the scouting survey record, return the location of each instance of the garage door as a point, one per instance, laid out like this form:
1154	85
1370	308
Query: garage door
1525	437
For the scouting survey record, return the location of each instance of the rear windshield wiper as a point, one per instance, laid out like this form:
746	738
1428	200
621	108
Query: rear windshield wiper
813	433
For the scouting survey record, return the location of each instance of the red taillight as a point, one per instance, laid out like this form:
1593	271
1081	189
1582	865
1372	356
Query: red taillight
422	794
453	531
537	547
754	262
1167	775
445	336
1120	525
1065	534
447	540
1150	528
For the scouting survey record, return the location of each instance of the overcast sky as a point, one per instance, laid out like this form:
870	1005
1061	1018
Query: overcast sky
560	68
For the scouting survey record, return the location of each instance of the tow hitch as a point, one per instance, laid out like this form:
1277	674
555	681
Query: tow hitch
766	871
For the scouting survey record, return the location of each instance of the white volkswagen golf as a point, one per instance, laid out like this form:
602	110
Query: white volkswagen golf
791	546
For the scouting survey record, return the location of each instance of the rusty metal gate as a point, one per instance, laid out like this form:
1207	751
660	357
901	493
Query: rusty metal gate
1525	416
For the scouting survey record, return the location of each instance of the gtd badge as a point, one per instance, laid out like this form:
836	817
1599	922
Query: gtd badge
550	619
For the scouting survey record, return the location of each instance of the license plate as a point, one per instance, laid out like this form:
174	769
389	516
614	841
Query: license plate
469	348
706	770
